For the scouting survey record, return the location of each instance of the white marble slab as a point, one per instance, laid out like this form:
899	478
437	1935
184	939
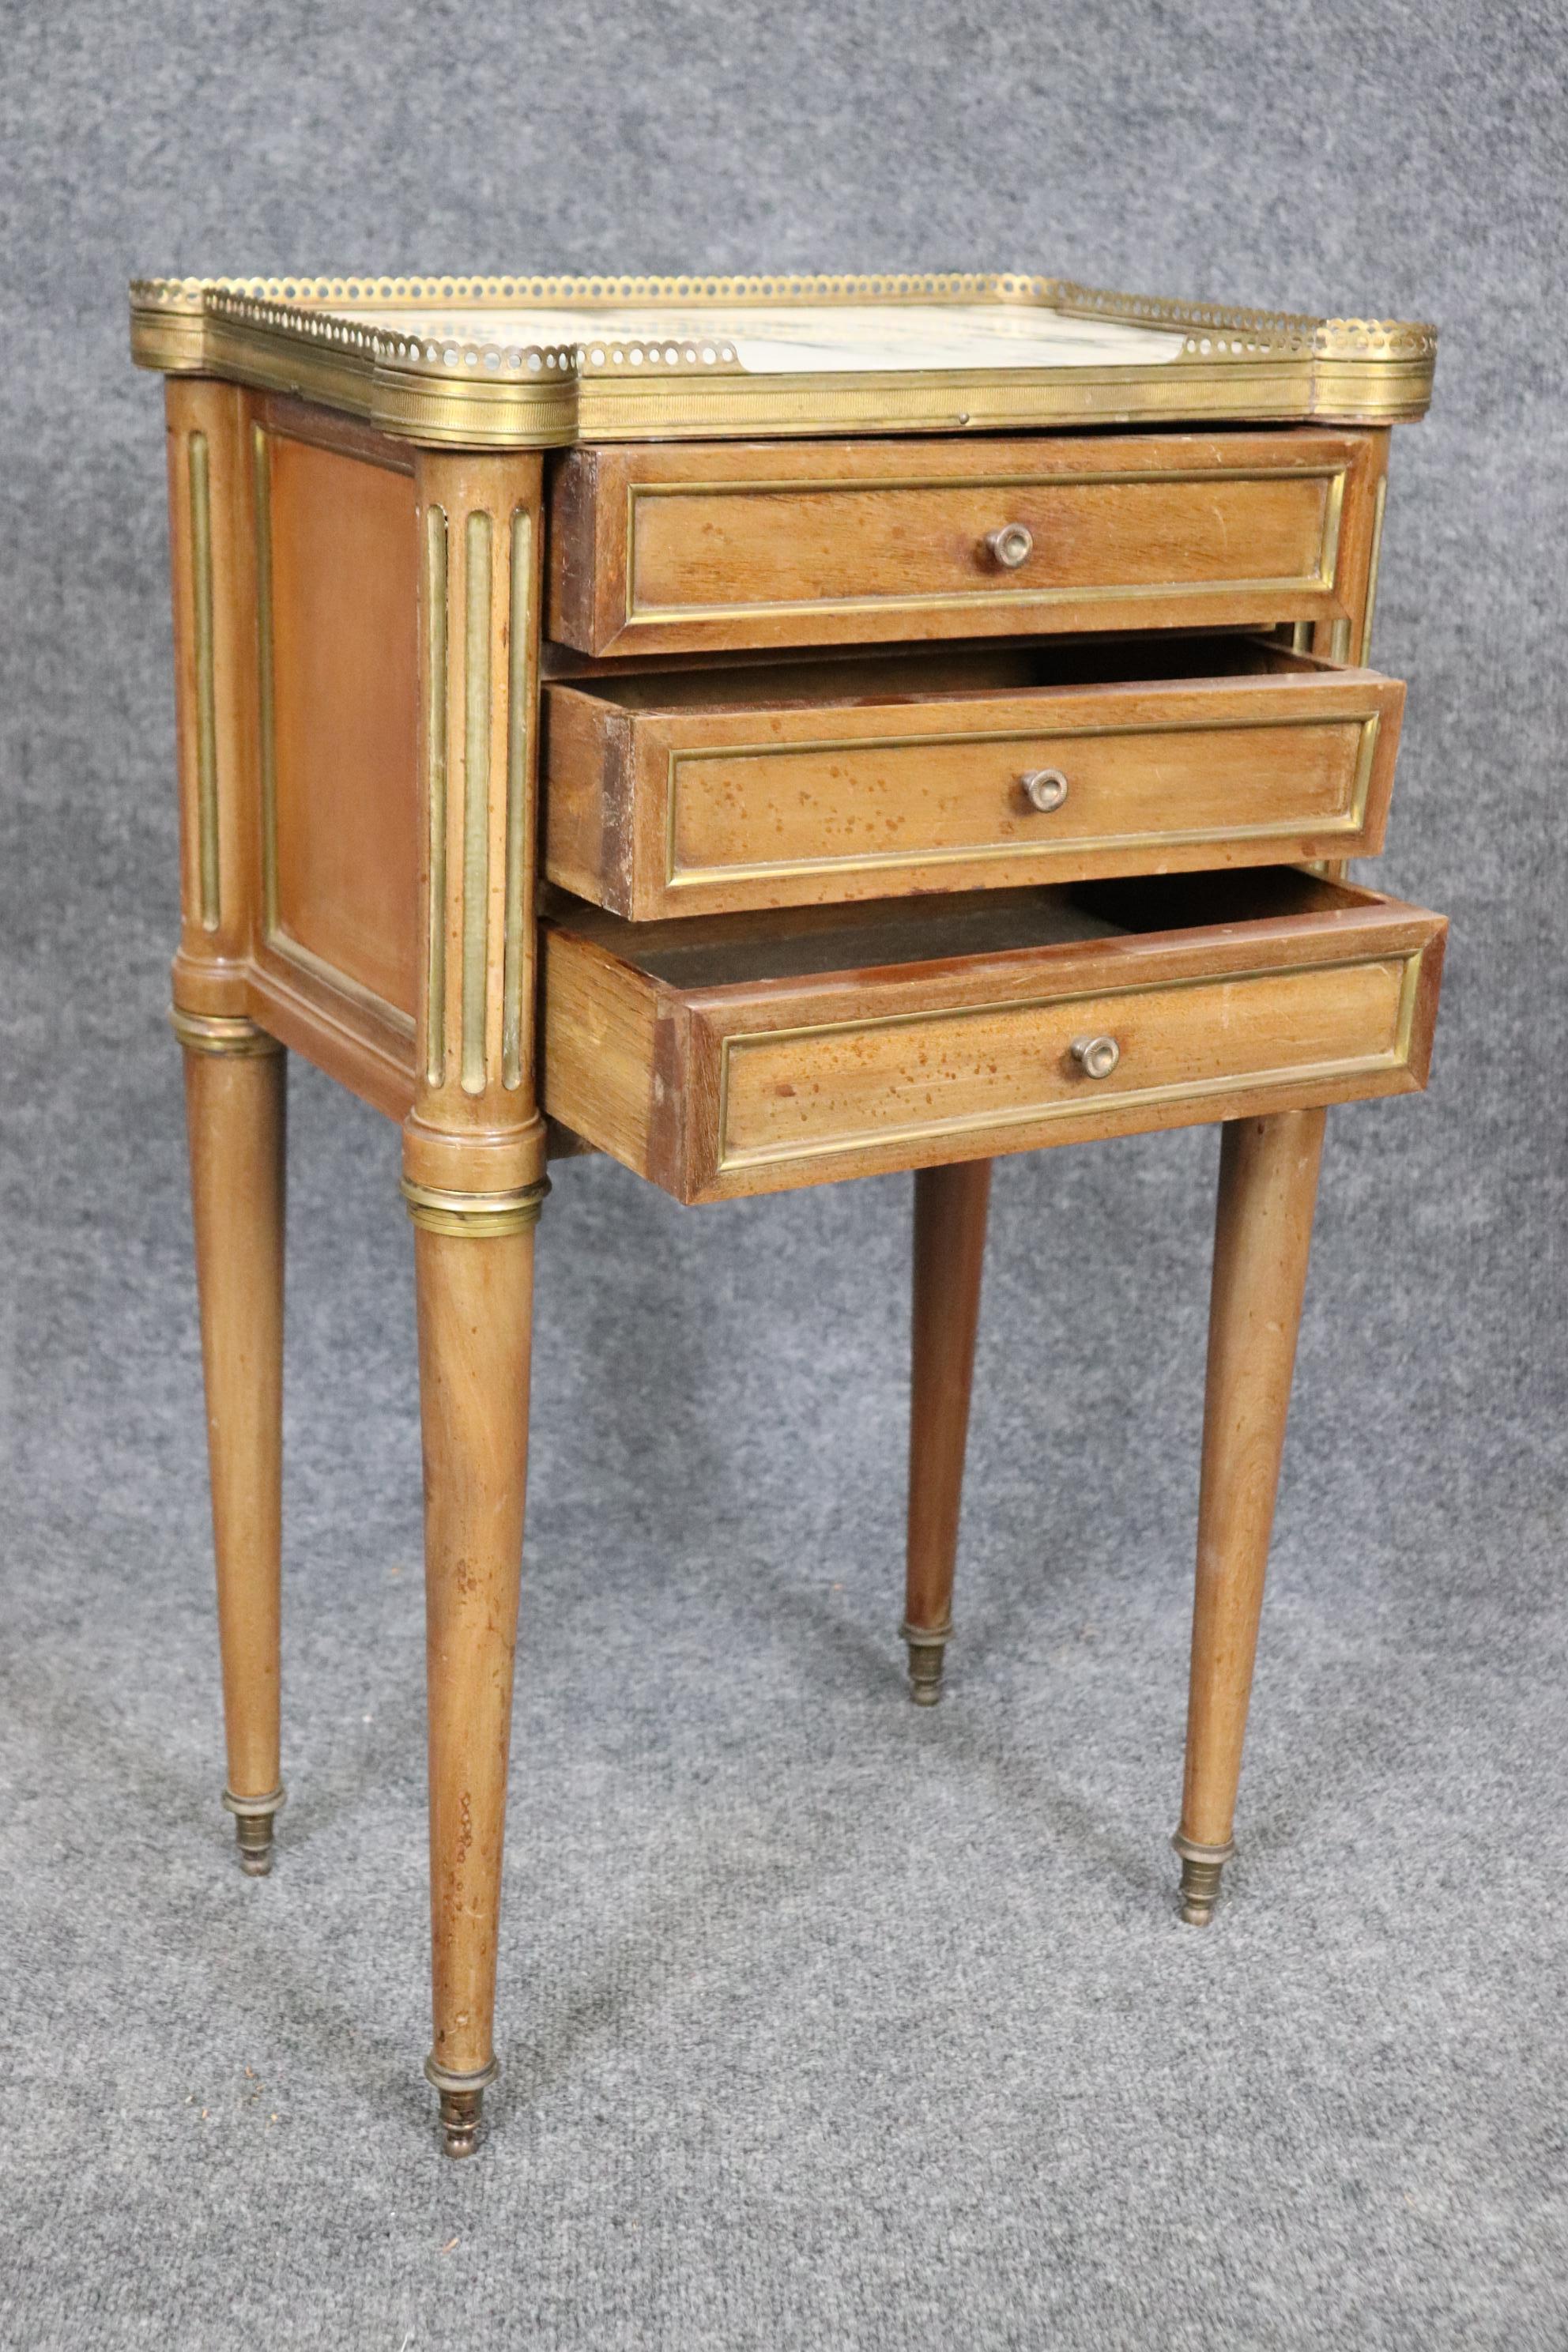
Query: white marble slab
826	338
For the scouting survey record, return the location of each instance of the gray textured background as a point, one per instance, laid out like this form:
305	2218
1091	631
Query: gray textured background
825	2022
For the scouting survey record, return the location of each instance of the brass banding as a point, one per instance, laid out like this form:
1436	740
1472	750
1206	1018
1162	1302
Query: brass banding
220	1032
1191	1850
254	1809
442	2078
479	1216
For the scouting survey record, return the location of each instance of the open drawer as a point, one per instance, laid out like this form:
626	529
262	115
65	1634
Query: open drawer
748	1053
806	783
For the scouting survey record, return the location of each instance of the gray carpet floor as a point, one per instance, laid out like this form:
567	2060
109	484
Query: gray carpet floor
825	2021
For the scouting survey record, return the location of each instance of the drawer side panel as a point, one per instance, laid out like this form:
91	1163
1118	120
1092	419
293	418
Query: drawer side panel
601	1070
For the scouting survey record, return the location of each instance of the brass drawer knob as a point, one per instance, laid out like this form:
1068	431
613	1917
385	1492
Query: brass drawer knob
1096	1056
1012	545
1045	789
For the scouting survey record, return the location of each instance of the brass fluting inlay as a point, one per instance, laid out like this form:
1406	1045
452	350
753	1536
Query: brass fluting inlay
520	705
266	721
220	1032
206	695
1364	648
475	1216
478	560
436	791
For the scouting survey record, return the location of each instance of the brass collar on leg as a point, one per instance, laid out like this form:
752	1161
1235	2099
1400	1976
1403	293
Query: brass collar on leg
220	1032
477	1216
254	1809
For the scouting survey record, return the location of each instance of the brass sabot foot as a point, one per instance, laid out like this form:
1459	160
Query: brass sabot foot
1201	1869
462	2100
928	1655
253	1819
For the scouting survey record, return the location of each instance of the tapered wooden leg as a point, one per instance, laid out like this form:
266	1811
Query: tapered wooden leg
235	1095
948	1253
1268	1188
475	1299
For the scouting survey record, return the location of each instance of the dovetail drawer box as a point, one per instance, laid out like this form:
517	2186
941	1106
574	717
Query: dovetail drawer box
678	794
667	550
731	1057
784	729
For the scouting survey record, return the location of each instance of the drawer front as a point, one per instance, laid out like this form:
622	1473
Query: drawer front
691	548
655	812
991	1074
716	1091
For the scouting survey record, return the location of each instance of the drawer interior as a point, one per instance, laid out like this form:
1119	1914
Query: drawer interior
922	675
736	950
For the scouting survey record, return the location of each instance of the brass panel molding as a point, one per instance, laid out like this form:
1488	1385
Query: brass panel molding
266	676
1007	595
475	1216
1348	818
401	353
220	1032
1402	971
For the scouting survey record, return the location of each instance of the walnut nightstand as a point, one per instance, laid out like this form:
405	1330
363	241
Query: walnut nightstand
769	730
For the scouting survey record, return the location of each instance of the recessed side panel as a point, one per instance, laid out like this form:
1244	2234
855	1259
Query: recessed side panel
338	555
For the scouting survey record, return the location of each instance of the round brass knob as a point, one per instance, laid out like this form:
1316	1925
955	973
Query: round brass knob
1045	789
1012	545
1096	1056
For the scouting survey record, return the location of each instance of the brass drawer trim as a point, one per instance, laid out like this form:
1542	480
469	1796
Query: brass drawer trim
1394	1056
1321	582
690	877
